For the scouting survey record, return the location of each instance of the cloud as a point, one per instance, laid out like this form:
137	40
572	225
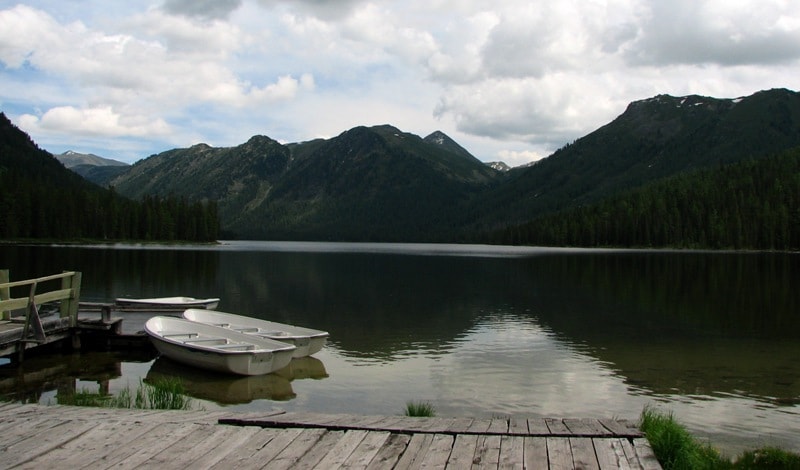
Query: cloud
206	9
717	32
101	121
521	76
133	81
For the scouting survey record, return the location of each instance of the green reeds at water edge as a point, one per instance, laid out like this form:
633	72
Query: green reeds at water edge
420	409
677	449
160	394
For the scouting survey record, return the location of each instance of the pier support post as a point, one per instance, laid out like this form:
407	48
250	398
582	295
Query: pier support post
5	293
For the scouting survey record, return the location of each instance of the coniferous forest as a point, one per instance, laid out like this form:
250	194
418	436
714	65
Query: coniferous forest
748	205
40	199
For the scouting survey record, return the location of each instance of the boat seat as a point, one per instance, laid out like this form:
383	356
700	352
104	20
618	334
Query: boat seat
246	329
208	341
178	334
237	347
274	333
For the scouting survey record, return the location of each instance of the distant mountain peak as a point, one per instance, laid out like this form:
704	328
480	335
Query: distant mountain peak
72	159
444	141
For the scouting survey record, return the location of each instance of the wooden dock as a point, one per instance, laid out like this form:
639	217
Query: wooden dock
35	436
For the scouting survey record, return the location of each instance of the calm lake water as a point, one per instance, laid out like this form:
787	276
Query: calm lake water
475	330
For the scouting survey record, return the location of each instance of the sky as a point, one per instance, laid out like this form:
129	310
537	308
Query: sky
509	80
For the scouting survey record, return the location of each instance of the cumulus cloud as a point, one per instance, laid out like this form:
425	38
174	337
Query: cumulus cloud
206	9
717	32
102	121
155	66
520	76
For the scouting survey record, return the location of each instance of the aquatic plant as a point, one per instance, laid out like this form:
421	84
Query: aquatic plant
420	409
676	448
160	394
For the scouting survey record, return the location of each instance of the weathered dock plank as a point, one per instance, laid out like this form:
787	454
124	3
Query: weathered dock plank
324	445
518	427
34	436
133	452
39	444
343	448
557	427
536	453
583	454
438	451
90	447
512	452
415	451
275	445
366	450
487	453
391	451
463	451
645	453
610	455
537	427
559	453
296	449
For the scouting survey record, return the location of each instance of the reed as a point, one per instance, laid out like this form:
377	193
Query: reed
161	394
420	409
677	449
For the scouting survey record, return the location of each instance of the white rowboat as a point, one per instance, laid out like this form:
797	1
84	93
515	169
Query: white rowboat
307	341
167	303
214	348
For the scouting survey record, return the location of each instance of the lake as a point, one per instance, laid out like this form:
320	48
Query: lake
479	331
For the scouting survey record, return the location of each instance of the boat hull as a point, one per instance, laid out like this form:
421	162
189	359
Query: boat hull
217	349
167	303
307	341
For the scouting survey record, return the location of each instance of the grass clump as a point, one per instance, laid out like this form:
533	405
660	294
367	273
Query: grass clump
674	446
420	409
676	449
161	394
768	458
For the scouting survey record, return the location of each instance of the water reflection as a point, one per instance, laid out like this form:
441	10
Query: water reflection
710	336
44	377
229	389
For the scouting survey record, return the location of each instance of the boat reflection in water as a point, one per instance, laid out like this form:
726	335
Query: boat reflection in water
227	389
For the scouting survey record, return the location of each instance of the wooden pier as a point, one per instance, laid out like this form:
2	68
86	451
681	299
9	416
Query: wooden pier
35	436
30	329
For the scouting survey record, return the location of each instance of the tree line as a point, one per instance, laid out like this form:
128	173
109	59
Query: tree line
748	205
40	199
32	211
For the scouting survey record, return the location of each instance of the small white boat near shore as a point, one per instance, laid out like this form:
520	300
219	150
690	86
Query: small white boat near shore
167	303
215	348
307	341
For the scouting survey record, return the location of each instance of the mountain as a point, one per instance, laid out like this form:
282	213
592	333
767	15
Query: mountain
71	159
41	199
96	169
368	183
379	183
654	138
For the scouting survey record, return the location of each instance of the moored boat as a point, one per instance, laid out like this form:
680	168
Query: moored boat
307	341
167	303
215	348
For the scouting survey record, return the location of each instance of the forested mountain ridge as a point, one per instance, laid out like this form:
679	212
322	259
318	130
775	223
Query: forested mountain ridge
753	204
381	184
40	198
94	168
368	183
654	138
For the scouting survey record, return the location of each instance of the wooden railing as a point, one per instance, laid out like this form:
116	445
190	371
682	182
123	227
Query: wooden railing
69	295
